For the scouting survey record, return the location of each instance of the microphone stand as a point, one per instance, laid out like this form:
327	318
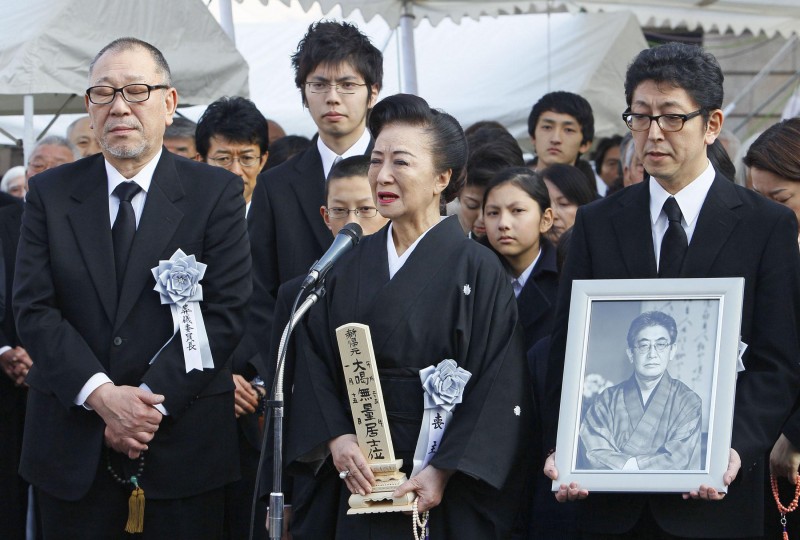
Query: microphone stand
276	404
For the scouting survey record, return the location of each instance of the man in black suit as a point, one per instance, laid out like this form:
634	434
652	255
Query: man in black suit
339	74
49	152
674	94
113	400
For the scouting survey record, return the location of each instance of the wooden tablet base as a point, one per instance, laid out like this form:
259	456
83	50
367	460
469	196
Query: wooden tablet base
388	477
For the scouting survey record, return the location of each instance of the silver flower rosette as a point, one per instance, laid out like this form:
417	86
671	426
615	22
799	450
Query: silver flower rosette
443	387
178	283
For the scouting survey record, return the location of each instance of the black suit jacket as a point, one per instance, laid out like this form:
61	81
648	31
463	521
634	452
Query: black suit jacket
738	233
537	301
287	236
70	320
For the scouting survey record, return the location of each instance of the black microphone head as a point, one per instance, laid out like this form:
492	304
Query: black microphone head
354	231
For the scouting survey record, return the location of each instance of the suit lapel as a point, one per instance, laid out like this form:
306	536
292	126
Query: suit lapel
160	219
715	224
634	234
309	188
92	227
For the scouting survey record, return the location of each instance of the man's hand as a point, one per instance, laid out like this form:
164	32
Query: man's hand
16	363
571	492
131	420
245	397
709	493
347	456
784	459
429	486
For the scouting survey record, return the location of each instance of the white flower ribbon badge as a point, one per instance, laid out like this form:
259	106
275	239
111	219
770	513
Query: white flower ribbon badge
178	283
444	388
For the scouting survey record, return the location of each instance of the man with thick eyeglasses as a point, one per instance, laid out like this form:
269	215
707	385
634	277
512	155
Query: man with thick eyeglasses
339	74
114	404
689	221
233	134
649	421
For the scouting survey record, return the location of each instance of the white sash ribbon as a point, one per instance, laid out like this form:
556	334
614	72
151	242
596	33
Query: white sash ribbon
444	389
178	284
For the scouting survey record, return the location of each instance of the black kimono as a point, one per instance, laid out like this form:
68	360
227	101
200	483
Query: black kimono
451	299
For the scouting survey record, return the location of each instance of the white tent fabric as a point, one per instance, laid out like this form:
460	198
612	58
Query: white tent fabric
46	47
492	69
771	17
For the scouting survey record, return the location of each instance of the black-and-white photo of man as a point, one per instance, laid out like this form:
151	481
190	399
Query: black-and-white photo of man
650	421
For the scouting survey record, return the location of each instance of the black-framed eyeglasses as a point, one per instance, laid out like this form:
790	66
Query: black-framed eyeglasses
361	211
244	161
667	122
346	87
132	93
643	347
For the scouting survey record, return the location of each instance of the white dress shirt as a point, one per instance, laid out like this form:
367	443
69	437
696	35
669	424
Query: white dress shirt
690	200
329	156
143	178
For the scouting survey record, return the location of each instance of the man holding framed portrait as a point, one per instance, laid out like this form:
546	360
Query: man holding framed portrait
689	221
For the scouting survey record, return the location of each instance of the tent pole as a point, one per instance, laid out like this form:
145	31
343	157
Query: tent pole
226	19
408	64
28	138
789	45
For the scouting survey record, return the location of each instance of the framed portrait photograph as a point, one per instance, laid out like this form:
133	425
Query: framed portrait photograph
649	383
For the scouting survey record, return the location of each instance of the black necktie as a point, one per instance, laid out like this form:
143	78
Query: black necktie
674	244
124	228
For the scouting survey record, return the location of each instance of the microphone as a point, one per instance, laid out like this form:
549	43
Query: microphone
347	238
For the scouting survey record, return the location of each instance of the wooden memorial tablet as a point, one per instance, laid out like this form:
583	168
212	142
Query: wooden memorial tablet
369	419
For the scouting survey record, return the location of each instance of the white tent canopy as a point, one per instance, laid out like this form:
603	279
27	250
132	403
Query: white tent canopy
768	16
491	69
46	47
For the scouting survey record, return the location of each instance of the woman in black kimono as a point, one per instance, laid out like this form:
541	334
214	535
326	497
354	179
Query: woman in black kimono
428	294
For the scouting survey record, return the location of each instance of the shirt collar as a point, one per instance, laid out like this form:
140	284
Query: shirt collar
523	277
143	177
328	155
690	198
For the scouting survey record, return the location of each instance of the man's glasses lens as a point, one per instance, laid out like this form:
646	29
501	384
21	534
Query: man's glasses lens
132	93
644	348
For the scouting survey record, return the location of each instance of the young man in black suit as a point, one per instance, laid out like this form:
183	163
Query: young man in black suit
339	74
674	94
113	395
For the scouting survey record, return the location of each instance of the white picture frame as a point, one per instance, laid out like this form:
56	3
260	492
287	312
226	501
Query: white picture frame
601	425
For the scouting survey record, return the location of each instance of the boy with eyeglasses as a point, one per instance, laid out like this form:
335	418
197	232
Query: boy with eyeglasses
339	74
348	198
232	133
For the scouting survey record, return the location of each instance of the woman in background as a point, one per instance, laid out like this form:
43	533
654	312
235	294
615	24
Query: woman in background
774	162
567	187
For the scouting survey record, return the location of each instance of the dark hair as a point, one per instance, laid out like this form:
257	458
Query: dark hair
448	144
501	151
652	318
603	146
777	150
564	103
333	42
237	119
681	66
128	43
570	181
483	124
720	159
181	128
352	166
347	168
284	148
523	178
